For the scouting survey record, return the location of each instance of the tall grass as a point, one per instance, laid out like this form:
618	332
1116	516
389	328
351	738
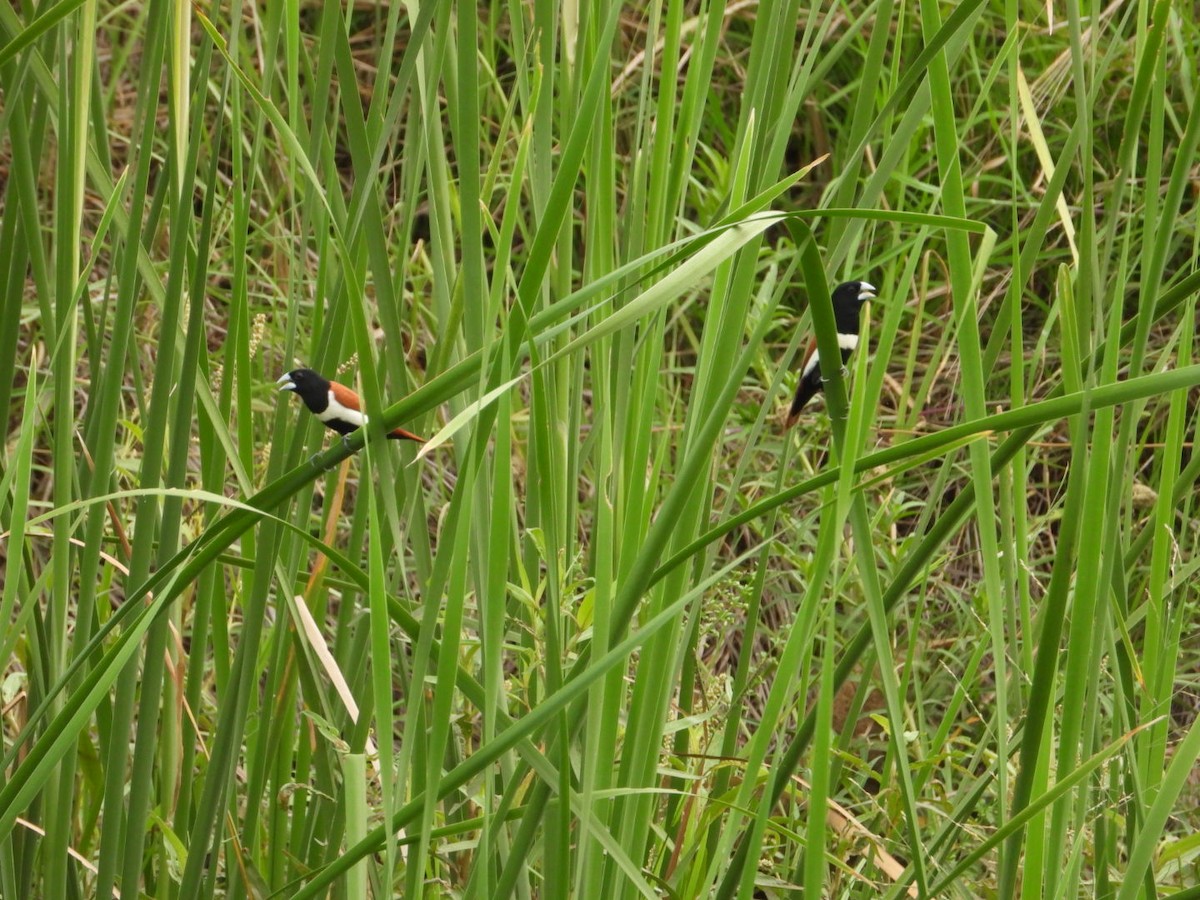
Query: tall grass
612	631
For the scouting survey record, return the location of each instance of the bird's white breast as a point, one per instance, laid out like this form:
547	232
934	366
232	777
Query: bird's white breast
335	410
845	342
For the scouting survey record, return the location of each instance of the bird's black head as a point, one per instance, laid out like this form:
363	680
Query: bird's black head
848	299
309	387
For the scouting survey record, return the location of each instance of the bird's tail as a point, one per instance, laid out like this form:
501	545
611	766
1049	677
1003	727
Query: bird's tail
399	434
804	392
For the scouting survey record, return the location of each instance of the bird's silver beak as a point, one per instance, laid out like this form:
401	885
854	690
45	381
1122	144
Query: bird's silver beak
286	383
866	291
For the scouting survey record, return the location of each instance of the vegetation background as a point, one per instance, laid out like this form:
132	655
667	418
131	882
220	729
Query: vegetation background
615	632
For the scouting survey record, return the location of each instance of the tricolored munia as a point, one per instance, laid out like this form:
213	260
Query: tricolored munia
848	299
334	404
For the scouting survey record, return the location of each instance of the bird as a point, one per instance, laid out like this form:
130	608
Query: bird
848	299
336	405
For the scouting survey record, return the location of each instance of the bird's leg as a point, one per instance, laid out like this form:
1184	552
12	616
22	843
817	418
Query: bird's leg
316	465
845	372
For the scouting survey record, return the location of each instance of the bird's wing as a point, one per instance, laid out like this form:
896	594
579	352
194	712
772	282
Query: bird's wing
344	396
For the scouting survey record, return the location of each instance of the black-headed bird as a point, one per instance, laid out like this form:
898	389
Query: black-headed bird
848	299
334	404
